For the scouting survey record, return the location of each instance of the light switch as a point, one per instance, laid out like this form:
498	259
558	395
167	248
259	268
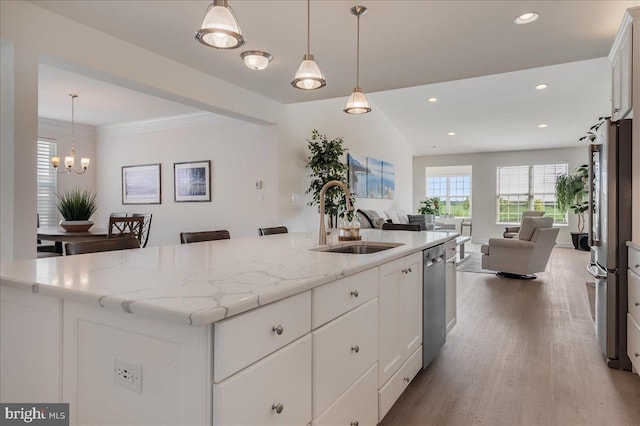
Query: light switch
258	184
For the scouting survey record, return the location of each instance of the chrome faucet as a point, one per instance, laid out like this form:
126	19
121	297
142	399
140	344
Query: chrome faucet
322	234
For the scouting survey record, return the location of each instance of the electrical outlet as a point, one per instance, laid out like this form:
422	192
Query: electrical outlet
127	374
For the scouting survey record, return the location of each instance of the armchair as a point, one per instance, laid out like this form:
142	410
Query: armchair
512	231
523	256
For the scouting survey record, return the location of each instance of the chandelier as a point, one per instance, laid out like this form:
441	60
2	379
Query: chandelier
70	160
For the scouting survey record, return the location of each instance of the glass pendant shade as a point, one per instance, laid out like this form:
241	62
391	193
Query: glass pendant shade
220	27
308	76
256	59
357	103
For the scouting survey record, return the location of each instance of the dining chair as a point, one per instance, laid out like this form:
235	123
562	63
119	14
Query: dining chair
146	227
196	237
81	247
118	215
273	230
120	227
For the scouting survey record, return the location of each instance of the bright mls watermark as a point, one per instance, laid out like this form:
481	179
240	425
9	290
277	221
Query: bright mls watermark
34	414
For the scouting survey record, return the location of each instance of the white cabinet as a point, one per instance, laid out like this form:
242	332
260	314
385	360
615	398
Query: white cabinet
400	300
245	338
356	405
334	299
621	77
392	390
274	391
343	350
451	282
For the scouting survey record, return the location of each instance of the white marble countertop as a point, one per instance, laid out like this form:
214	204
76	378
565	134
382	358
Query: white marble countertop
202	283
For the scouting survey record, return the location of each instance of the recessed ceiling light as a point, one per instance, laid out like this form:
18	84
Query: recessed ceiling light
541	86
433	100
256	59
543	125
526	18
451	133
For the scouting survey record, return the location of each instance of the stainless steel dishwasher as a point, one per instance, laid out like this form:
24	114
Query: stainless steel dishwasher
434	290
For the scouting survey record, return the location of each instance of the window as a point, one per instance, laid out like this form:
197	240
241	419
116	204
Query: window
47	183
522	188
454	193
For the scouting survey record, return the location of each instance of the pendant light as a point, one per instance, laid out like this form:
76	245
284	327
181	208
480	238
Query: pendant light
308	76
357	103
220	27
69	161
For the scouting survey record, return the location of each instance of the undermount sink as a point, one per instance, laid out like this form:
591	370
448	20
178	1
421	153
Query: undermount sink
360	247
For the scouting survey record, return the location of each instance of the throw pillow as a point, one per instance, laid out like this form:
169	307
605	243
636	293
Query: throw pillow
402	217
391	214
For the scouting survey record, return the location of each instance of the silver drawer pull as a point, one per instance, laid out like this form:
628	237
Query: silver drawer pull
406	271
277	407
354	423
355	293
278	329
355	349
637	265
637	354
407	379
637	304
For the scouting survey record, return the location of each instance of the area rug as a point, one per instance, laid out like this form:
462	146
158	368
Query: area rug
474	264
591	292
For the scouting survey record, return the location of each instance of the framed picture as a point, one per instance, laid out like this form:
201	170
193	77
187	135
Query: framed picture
141	184
192	181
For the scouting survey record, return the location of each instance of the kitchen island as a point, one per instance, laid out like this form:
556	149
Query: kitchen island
176	334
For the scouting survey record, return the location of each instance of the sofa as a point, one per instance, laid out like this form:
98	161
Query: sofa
376	219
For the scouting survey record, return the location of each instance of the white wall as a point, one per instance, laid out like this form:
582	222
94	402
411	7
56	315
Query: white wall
240	154
371	135
483	183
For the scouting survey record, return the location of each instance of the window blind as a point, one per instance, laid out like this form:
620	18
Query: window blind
47	183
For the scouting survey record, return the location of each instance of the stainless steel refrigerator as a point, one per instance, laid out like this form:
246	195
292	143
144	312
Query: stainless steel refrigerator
610	229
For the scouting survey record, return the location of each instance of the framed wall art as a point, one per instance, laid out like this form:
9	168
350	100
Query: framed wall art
192	181
141	184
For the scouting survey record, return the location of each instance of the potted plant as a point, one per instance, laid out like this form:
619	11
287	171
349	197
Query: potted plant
429	207
76	207
572	195
326	166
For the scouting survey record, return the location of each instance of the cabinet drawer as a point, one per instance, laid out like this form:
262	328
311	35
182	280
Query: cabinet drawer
246	338
332	300
633	342
358	404
634	295
342	351
251	397
634	260
390	392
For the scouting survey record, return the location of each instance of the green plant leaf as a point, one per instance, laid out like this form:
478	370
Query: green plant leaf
76	204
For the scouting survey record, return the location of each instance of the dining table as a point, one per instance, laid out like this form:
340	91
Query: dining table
59	235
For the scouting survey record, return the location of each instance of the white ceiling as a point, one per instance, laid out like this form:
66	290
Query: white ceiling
404	44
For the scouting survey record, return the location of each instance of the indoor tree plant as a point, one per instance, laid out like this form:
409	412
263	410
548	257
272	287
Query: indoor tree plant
325	165
572	195
76	207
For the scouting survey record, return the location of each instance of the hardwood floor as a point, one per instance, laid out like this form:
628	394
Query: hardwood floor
522	353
